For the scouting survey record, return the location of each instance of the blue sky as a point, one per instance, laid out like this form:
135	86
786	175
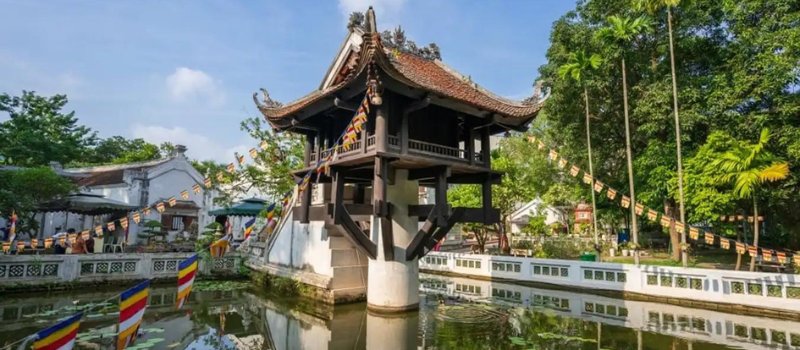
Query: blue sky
184	71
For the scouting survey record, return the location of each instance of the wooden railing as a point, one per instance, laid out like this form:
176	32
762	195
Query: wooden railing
394	145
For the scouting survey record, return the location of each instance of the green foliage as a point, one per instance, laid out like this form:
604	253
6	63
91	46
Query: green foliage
22	190
747	166
152	230
119	150
536	226
38	132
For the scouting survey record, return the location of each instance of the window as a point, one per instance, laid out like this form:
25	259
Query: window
472	264
177	223
550	270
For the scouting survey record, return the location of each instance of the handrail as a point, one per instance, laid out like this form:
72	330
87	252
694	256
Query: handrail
432	148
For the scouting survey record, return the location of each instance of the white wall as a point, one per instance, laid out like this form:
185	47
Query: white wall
301	246
715	285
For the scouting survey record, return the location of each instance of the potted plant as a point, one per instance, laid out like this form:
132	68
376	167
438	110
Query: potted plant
624	249
152	231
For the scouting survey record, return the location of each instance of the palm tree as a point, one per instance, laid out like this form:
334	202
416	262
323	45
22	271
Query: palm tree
620	31
578	66
653	6
747	166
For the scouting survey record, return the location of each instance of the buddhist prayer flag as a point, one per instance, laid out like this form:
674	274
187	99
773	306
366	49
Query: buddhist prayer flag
34	243
172	201
625	202
6	247
531	139
652	215
638	209
137	217
709	238
85	234
12	230
124	223
679	227
270	211
725	243
248	227
694	233
48	242
231	167
666	221
220	176
767	253
304	182
60	336
132	304
207	182
111	226
740	249
187	270
239	158
553	154
20	246
146	211
562	163
62	240
781	257
160	207
598	186
587	179
612	194
263	145
218	248
196	188
253	153
752	251
185	194
574	170
797	260
540	145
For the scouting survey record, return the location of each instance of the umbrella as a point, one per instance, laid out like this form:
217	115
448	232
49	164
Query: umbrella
86	204
246	207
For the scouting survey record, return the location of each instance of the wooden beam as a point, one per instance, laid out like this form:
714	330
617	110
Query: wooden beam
427	173
387	237
413	248
440	196
379	188
354	209
358	237
346	105
442	231
468	214
337	193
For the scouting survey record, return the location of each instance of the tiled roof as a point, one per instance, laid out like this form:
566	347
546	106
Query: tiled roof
109	174
101	178
426	74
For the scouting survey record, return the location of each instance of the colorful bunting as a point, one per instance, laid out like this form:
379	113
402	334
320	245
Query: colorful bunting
86	235
48	242
752	251
196	188
781	257
709	238
611	194
253	153
553	154
132	305
20	246
136	217
694	233
34	243
124	223
231	167
220	177
111	226
767	253
666	221
652	215
638	209
587	179
60	336
184	194
625	202
679	227
562	163
207	182
797	259
160	207
6	247
172	201
574	170
540	144
239	158
263	145
725	243
598	186
146	211
740	248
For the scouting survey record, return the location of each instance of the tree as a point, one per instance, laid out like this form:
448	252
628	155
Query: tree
621	31
152	230
578	66
269	174
38	132
21	190
119	150
747	167
652	7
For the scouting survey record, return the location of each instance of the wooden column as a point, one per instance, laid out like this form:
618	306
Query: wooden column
486	196
441	196
486	152
380	208
337	194
470	145
305	204
404	133
381	128
309	148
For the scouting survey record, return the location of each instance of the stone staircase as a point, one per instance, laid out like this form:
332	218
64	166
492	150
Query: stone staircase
349	266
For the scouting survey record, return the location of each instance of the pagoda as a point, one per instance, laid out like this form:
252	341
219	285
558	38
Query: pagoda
426	126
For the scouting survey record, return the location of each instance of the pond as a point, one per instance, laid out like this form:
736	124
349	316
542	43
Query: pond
455	313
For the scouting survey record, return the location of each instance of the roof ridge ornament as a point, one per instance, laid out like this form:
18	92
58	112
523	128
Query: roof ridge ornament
268	102
538	97
371	26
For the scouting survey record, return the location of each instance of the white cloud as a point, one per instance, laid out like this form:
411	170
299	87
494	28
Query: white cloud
186	84
384	9
198	146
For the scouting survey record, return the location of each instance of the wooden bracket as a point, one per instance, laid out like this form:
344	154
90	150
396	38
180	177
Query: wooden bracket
356	235
416	245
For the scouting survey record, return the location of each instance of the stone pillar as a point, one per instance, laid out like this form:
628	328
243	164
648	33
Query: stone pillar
392	332
393	286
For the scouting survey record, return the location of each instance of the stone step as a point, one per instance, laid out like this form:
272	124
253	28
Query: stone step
349	277
345	257
339	242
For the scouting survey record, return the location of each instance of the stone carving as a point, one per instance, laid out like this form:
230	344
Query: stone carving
267	102
538	96
396	40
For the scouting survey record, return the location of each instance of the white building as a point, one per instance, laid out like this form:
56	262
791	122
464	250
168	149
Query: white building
520	218
140	184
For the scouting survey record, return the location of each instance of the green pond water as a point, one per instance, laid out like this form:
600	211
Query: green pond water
455	313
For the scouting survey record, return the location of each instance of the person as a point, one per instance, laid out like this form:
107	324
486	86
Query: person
79	247
90	244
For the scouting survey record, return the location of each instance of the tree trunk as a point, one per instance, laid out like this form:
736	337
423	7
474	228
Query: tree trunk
683	253
591	173
755	232
674	238
634	221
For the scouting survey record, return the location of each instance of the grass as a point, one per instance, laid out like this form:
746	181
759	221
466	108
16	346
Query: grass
704	259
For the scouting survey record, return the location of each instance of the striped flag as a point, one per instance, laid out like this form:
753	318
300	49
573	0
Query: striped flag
625	202
111	226
146	211
48	242
240	158
187	269
679	227
132	304
553	154
598	186
124	223
781	257
725	243
160	207
562	163
652	215
196	188
709	238
767	253
263	145
271	226
185	194
253	153
587	179
666	221
137	217
219	247
611	194
85	235
740	249
271	211
172	201
207	182
248	227
574	170
694	233
540	145
220	176
60	336
638	208
231	167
